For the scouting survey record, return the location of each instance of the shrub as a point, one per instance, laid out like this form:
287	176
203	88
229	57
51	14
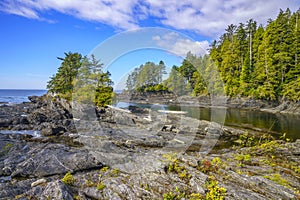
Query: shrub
68	179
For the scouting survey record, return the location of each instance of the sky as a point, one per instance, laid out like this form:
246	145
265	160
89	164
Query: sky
35	32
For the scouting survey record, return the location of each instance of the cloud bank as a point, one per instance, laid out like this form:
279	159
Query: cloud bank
205	17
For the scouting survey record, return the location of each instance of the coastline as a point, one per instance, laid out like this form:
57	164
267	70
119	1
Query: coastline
205	101
90	159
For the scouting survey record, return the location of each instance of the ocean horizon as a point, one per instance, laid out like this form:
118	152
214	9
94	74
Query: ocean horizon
16	96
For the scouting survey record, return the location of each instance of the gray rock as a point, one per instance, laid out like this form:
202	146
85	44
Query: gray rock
57	191
56	130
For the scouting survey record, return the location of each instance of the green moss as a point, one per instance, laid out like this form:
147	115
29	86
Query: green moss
277	178
196	196
68	179
101	186
170	196
104	169
243	157
89	183
6	148
114	172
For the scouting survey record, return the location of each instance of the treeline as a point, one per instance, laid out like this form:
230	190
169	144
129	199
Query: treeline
247	60
82	79
148	77
261	62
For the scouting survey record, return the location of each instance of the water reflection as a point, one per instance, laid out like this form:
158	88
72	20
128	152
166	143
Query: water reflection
267	122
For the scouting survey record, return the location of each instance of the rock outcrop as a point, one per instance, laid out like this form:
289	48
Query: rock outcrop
113	154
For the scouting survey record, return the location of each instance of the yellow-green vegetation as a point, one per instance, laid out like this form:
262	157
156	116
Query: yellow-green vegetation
176	195
277	178
89	183
215	192
249	140
77	197
68	179
207	166
6	148
246	140
145	186
104	169
296	169
101	186
174	166
170	196
114	172
195	196
243	159
268	147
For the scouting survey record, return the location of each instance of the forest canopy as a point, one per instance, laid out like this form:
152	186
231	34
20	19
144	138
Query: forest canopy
248	60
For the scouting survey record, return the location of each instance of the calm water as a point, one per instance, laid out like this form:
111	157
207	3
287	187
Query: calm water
18	96
277	124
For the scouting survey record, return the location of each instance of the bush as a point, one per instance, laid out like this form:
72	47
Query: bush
68	179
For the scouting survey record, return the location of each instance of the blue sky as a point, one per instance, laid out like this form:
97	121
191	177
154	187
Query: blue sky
33	33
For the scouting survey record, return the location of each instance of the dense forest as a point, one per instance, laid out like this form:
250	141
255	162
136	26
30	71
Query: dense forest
248	60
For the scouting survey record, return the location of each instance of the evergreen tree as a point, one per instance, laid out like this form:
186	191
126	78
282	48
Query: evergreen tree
62	82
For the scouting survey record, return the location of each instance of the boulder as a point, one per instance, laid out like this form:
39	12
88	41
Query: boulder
57	190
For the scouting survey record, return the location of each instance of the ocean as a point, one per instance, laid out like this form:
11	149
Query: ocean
16	96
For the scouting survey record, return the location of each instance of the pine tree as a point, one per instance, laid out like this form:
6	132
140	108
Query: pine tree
62	82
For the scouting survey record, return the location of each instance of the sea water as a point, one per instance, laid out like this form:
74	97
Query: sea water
16	96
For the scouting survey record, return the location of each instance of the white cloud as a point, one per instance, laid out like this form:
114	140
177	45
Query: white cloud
178	45
201	16
213	16
112	12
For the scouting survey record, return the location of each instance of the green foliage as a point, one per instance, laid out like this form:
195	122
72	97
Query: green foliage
114	172
196	196
152	88
176	195
101	186
243	157
176	83
93	85
207	166
82	79
62	82
68	179
89	183
277	178
261	62
174	166
104	169
147	77
214	191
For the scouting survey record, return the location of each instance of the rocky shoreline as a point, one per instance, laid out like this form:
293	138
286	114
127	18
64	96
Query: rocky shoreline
112	154
283	106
